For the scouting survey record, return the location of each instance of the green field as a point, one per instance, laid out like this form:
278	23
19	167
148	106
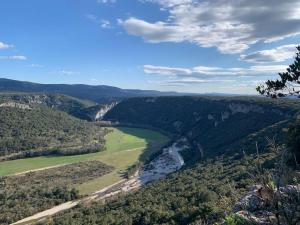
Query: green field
125	146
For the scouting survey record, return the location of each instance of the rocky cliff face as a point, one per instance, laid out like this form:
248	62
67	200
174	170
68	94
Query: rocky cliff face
76	107
105	109
15	105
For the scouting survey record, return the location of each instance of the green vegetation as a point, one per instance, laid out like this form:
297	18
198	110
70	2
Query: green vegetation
237	220
40	190
222	131
293	140
287	85
28	131
82	109
212	123
124	148
100	94
29	193
204	193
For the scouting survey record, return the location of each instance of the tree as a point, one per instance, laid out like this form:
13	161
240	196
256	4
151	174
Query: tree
293	140
287	85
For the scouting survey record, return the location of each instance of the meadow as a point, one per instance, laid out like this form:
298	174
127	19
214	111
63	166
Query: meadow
124	148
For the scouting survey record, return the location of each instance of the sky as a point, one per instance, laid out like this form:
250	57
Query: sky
223	46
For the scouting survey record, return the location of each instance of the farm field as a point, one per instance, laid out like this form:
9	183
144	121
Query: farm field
125	147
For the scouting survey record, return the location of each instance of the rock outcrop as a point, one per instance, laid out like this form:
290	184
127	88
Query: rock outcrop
267	206
106	108
15	105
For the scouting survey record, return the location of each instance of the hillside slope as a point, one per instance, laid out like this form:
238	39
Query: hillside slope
212	124
101	94
82	109
29	130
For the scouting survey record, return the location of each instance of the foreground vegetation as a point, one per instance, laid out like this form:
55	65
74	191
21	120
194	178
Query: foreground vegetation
26	194
203	194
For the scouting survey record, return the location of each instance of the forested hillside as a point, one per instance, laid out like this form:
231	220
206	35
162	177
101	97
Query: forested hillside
213	125
203	194
82	109
208	190
28	130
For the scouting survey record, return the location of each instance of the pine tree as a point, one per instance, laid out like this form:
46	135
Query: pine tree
287	85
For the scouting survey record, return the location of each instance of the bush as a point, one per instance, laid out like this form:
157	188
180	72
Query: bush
293	139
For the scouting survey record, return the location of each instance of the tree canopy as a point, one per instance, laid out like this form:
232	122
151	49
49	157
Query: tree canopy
287	85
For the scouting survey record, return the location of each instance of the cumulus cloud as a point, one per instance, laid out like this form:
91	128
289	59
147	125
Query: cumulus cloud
13	57
278	54
208	72
231	26
4	45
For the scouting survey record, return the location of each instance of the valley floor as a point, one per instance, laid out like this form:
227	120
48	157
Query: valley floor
169	161
124	147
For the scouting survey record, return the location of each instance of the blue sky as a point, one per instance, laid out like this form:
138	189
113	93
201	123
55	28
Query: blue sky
169	45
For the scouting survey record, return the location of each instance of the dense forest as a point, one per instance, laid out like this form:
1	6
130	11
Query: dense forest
212	124
39	130
256	150
201	194
29	193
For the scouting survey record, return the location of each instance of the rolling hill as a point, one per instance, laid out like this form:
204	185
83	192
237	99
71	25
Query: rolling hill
30	130
101	94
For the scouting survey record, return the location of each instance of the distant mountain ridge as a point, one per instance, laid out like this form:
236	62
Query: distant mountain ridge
101	94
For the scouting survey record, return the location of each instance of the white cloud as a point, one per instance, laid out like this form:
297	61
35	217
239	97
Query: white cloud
150	69
105	24
231	26
67	72
278	54
169	3
106	1
4	45
91	17
36	65
208	72
189	81
14	57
